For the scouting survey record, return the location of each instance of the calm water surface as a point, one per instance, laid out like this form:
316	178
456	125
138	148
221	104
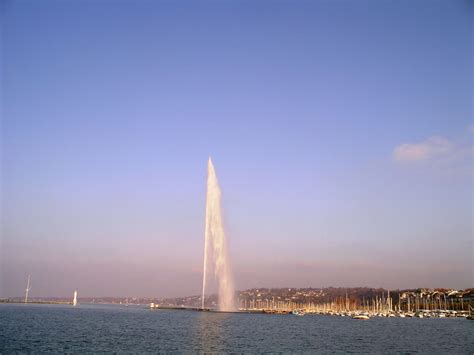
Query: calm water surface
58	328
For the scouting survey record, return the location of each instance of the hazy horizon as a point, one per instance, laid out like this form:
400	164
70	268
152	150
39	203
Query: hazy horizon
341	133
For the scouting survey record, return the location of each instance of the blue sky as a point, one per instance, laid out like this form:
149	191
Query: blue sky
341	133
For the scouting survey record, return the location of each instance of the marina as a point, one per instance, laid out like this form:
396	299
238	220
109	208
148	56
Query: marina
421	303
355	314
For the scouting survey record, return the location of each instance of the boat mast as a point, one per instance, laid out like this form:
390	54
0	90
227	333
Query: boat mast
27	289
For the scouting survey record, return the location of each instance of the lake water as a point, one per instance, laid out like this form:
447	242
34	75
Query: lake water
93	328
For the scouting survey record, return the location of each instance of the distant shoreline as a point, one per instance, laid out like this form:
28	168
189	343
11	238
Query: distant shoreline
34	302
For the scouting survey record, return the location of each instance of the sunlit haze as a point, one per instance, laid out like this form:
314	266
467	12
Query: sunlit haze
341	133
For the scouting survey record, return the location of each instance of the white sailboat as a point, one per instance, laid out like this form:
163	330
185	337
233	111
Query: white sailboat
74	301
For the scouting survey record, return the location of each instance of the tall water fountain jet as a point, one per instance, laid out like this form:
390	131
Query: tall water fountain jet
215	245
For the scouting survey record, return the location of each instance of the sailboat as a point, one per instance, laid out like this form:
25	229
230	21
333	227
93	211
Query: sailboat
74	301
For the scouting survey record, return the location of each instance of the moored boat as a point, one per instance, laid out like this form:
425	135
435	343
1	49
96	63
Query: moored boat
471	313
361	316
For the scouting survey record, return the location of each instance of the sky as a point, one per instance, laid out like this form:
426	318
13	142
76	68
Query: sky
341	133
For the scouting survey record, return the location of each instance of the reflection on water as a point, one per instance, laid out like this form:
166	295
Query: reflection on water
211	330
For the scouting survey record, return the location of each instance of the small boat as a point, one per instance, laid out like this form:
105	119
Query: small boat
298	312
360	316
471	313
